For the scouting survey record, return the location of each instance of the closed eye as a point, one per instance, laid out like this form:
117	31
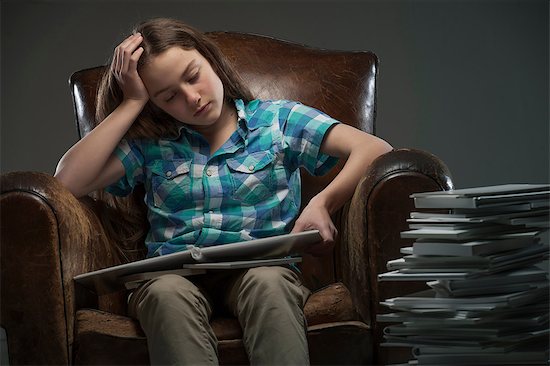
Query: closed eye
194	78
170	97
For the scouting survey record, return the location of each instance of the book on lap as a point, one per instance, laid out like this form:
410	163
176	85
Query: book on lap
275	250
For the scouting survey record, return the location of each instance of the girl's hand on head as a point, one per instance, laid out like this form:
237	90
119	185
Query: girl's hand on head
124	68
315	216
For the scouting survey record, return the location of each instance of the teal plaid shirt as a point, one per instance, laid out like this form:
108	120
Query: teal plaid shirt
249	188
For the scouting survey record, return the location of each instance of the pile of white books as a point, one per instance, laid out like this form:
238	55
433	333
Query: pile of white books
483	253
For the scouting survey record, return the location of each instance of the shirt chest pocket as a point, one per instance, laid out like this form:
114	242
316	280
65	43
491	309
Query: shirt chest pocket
171	184
253	177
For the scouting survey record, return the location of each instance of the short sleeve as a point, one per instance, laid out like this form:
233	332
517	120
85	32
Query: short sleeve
132	159
304	129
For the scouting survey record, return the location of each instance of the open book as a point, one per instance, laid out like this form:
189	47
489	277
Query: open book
275	250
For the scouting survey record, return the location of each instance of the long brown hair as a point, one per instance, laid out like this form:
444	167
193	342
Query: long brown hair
160	34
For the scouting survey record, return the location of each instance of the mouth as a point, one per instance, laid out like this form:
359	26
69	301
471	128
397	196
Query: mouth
200	110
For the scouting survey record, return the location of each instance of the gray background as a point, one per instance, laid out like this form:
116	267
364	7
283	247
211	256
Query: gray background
465	80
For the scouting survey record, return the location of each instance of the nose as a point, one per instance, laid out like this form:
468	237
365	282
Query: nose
192	95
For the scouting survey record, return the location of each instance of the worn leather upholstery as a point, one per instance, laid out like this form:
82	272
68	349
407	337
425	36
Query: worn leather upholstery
48	236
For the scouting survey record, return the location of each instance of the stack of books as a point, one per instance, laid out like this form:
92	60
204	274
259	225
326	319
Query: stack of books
483	253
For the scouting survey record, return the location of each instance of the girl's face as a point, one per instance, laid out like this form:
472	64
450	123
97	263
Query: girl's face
183	84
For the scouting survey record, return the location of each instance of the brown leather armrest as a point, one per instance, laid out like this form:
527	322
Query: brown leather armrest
375	217
47	237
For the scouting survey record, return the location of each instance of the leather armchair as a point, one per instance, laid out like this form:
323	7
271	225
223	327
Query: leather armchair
48	236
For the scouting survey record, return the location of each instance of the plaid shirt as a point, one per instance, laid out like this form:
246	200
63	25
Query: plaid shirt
249	188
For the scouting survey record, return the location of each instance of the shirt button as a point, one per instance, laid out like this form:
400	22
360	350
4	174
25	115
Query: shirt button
251	168
209	172
168	173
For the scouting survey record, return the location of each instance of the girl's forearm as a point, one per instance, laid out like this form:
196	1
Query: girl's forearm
344	184
84	161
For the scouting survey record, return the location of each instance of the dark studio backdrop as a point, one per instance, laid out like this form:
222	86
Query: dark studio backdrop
464	80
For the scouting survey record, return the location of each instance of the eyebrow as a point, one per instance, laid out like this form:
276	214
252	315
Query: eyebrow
191	64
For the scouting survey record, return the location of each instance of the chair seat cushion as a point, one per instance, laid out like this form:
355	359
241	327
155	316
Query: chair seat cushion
99	333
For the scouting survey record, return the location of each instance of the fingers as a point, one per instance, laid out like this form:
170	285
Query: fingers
328	233
124	68
128	51
326	228
117	58
298	227
124	54
135	57
317	217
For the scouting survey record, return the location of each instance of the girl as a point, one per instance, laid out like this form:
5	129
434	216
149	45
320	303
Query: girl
217	167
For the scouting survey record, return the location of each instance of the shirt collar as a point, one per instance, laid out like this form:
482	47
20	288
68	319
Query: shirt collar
242	120
248	113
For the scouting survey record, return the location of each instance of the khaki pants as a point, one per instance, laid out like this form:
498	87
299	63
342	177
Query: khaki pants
174	313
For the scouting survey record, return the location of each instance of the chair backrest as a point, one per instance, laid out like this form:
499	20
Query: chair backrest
340	83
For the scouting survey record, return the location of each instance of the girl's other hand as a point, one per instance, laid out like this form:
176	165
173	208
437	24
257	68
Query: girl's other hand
124	68
315	216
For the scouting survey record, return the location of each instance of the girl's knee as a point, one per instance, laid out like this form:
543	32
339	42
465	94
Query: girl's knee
172	294
269	277
171	285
